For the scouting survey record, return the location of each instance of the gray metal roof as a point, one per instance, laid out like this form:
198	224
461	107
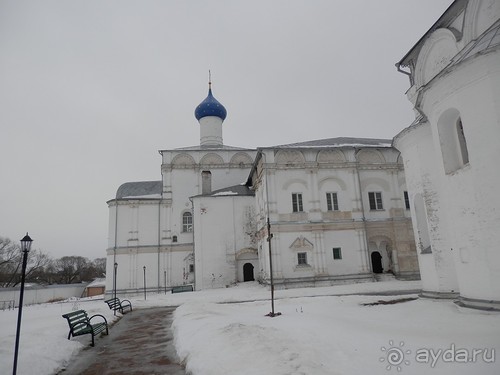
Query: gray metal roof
236	190
139	189
208	147
339	142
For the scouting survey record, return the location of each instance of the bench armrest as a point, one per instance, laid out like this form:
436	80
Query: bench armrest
102	316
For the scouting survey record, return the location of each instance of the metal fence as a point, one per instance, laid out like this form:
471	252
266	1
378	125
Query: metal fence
7	305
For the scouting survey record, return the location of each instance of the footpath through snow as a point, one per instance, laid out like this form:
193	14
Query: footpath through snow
326	330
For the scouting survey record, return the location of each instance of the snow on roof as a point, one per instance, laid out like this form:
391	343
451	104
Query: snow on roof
236	190
208	147
224	193
100	281
339	142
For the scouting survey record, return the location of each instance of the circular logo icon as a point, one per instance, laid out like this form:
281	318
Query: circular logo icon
395	356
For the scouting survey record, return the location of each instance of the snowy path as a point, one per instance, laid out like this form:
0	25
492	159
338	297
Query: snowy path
140	343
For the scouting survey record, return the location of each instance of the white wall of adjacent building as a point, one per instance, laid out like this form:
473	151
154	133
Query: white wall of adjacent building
450	156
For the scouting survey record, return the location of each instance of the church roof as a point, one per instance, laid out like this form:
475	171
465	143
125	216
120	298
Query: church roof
209	147
446	18
487	41
339	142
210	107
236	190
142	189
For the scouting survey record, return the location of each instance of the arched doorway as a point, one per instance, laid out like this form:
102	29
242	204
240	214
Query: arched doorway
248	272
377	262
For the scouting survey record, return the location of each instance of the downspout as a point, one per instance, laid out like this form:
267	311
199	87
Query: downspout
194	252
356	150
410	76
114	248
159	242
269	240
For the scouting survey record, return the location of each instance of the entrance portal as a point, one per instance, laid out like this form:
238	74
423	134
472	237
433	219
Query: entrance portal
248	272
377	262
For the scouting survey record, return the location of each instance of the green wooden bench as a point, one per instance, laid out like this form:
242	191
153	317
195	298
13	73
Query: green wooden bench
80	324
182	288
116	305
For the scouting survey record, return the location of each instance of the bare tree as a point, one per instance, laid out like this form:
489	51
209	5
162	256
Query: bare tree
9	260
38	262
11	257
71	269
99	267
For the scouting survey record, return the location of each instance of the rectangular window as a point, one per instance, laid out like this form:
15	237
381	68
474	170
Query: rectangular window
301	258
191	268
332	202
297	202
337	253
407	200
375	199
187	222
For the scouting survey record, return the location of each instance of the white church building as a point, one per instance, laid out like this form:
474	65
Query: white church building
338	212
451	152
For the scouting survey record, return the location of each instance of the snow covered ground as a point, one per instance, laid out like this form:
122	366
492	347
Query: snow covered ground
321	331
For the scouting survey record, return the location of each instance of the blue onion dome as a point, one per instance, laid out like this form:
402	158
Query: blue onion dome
210	107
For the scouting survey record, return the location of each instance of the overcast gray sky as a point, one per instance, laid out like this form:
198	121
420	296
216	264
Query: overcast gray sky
91	90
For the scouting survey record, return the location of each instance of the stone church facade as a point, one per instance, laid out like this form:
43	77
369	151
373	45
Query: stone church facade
337	211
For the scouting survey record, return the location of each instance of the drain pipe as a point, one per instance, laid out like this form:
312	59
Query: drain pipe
194	252
115	264
159	242
356	150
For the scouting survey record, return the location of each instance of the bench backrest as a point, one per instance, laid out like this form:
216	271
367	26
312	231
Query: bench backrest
77	320
113	303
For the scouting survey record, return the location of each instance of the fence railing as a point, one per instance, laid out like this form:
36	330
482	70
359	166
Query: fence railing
7	305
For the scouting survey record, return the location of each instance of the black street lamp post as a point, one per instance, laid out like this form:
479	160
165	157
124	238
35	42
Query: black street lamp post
114	282
25	247
144	268
269	238
165	273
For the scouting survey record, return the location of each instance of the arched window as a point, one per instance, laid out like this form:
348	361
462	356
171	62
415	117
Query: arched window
452	141
187	222
461	142
206	182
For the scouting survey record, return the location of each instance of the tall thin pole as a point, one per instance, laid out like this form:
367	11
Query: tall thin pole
144	268
269	238
114	282
20	310
165	273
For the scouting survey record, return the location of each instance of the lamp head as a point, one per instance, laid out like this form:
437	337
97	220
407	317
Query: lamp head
26	243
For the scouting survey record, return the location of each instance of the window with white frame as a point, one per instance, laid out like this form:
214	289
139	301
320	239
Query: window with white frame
337	253
302	259
187	222
297	202
332	202
375	199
